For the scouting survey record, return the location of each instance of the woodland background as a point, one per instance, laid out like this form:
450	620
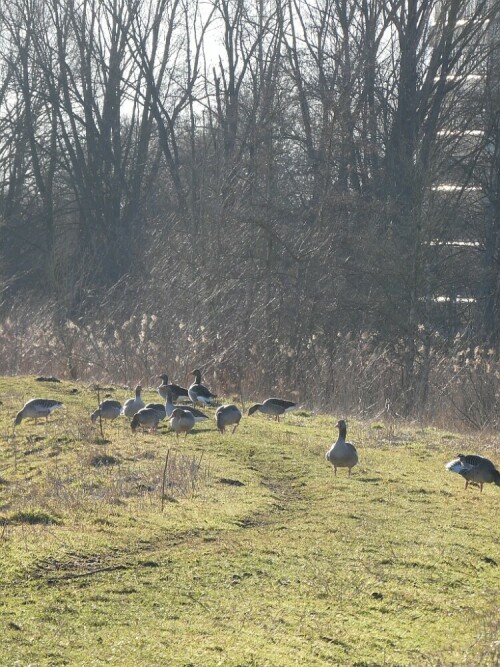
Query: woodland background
300	197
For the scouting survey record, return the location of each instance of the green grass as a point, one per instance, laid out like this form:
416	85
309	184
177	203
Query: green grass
261	557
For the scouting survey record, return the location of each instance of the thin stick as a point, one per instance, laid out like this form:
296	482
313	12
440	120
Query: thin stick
98	404
195	472
15	453
4	528
164	479
242	400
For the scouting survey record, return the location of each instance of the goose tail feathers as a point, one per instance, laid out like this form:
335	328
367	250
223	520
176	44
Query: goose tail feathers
455	466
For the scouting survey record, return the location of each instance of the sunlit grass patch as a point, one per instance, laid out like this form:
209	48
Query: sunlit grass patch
241	549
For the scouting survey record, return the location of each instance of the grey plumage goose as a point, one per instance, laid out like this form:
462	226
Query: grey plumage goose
35	408
169	407
342	454
197	392
474	468
177	391
146	418
159	407
182	421
272	406
108	409
133	405
227	415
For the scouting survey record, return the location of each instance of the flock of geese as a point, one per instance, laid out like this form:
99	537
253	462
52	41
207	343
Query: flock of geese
182	419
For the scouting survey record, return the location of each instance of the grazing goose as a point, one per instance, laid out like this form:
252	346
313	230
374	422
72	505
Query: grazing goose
474	468
342	454
108	409
227	415
273	406
182	421
146	418
159	407
169	407
37	407
133	405
197	392
176	390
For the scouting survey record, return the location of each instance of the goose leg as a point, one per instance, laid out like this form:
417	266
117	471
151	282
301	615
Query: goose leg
466	484
235	427
481	486
349	473
335	469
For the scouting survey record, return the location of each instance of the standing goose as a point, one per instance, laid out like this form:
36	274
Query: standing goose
133	405
475	468
197	392
272	406
147	418
169	407
227	415
342	454
182	421
108	409
37	407
176	390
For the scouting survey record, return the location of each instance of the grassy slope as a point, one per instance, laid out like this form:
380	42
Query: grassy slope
396	566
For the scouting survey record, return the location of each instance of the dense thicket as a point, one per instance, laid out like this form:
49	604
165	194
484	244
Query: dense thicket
291	193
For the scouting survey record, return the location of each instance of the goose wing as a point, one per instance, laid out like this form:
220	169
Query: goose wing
202	391
473	460
280	402
194	411
175	389
43	404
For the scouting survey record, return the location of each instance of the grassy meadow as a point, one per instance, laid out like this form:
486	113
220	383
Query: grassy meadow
259	557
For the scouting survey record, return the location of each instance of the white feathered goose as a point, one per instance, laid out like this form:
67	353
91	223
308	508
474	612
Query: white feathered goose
227	415
182	421
197	392
474	468
146	418
342	454
108	409
133	405
272	406
169	407
37	407
176	390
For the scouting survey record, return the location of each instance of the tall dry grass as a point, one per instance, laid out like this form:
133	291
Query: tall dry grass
350	374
